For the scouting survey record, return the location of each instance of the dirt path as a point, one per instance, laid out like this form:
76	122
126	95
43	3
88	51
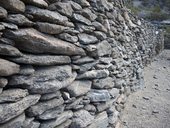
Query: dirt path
150	107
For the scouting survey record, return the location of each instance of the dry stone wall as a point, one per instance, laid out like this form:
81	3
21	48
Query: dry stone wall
70	63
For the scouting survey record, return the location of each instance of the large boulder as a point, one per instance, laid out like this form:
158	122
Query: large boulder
30	40
8	68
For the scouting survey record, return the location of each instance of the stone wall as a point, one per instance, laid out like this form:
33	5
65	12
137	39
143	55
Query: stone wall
70	63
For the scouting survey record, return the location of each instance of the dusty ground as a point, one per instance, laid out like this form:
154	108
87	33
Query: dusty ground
150	107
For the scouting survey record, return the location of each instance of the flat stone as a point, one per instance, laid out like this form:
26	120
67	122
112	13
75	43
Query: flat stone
30	123
30	40
2	27
81	119
9	26
103	48
41	107
14	123
26	70
94	74
68	37
64	8
3	13
8	68
78	88
85	28
3	82
87	39
45	79
19	20
61	119
98	95
75	6
114	92
12	95
50	28
99	27
9	50
103	106
83	60
51	113
66	124
88	14
9	111
103	83
101	121
38	3
50	96
41	60
46	15
16	6
83	3
7	41
81	19
100	35
73	105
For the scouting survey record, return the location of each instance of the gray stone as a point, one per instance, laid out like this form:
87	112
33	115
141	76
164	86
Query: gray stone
14	123
2	27
74	104
50	28
87	39
90	108
3	13
78	88
19	20
83	3
41	60
103	48
7	41
41	107
1	89
88	14
9	111
101	121
30	40
59	120
64	8
66	124
83	60
81	19
16	6
103	106
46	15
103	83
49	96
98	95
51	113
9	50
114	92
45	79
100	35
3	82
81	119
38	3
9	25
68	37
30	123
94	74
85	28
99	27
26	70
8	68
75	5
12	95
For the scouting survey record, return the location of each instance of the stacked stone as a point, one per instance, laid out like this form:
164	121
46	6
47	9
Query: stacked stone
70	63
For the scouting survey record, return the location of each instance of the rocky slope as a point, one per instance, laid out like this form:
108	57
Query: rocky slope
70	63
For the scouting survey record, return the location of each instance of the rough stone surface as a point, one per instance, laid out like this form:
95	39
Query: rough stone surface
41	43
78	88
38	3
81	119
3	82
8	68
41	59
9	111
13	5
87	39
3	13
